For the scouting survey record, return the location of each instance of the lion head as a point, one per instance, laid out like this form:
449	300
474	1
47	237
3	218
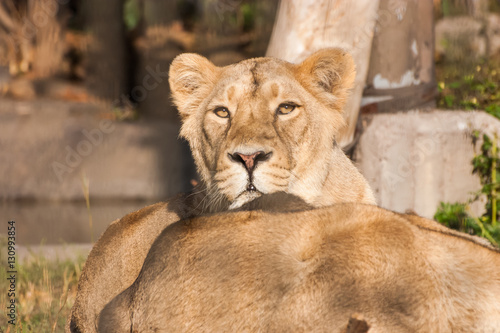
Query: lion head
264	125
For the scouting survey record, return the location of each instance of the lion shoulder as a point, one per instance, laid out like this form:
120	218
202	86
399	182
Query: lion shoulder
116	256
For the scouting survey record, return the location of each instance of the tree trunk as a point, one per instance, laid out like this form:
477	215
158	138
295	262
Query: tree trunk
49	47
107	58
401	74
160	43
304	26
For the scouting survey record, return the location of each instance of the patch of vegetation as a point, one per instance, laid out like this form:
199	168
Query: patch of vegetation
470	86
131	14
460	7
474	85
45	292
456	216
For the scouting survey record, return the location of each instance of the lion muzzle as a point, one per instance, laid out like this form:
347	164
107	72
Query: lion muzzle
250	162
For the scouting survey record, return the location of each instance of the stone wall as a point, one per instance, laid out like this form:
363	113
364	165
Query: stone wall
48	147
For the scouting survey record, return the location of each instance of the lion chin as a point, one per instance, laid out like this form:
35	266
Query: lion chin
245	197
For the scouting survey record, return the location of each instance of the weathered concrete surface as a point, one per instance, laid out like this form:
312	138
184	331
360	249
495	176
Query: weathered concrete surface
414	160
46	147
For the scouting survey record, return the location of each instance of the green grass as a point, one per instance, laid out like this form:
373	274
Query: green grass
45	292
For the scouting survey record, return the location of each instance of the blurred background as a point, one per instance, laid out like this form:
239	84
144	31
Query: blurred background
69	70
89	133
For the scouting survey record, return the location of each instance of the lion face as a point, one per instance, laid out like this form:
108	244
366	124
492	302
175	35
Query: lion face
262	125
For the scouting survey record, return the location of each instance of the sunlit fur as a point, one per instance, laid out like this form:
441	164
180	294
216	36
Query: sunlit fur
309	271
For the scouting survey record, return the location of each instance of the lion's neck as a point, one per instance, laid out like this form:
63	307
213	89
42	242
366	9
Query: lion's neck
202	201
342	182
345	183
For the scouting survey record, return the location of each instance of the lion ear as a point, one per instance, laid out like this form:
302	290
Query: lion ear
191	78
329	70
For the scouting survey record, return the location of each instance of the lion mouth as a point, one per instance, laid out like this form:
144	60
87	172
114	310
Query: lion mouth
251	188
251	193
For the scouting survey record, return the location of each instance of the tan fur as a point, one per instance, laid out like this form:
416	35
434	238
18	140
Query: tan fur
305	160
311	271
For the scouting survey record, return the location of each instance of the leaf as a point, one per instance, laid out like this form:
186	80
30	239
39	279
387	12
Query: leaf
494	110
448	100
487	144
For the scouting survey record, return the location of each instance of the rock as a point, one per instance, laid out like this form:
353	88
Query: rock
493	33
21	88
460	38
414	160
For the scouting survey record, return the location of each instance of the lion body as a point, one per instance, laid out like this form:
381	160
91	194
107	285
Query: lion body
301	156
310	271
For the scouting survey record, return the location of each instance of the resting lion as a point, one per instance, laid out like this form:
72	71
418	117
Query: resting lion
259	126
310	271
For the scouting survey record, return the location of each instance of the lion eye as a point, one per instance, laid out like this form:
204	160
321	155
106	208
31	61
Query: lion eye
222	112
285	108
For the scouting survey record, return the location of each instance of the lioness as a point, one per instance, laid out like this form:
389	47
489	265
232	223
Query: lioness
259	126
309	271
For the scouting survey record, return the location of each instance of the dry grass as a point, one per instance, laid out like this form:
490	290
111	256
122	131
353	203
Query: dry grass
45	292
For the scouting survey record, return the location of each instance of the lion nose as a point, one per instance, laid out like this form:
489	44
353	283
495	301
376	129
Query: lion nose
250	161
